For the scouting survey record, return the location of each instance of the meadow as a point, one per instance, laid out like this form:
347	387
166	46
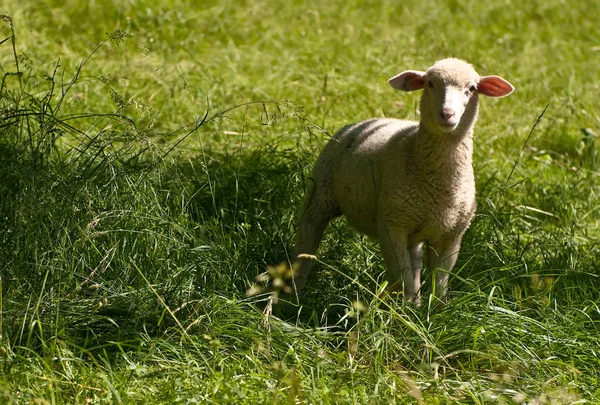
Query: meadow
153	160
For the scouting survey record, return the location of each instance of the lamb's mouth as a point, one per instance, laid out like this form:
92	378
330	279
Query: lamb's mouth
447	127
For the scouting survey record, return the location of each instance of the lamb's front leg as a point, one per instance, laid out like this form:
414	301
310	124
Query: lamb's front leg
394	245
416	263
441	257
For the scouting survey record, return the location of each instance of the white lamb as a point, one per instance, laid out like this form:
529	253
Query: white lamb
407	184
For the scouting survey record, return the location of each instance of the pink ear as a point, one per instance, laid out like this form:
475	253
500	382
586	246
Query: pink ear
494	86
408	81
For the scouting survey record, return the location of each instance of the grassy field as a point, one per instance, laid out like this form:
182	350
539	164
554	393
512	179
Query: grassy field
153	159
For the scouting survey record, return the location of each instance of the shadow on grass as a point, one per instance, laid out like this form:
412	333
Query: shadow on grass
102	254
105	253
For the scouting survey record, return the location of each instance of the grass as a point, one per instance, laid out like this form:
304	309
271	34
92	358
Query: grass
153	160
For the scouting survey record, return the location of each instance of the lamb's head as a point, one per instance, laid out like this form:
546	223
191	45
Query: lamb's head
450	92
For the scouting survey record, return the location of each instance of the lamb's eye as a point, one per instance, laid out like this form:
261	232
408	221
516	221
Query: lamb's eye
473	88
430	84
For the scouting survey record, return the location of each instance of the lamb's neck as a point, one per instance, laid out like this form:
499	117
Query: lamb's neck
444	157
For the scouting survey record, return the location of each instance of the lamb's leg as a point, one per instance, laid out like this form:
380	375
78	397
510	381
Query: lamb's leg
442	256
394	246
416	263
317	213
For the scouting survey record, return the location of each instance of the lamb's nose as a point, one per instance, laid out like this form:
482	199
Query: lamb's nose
447	114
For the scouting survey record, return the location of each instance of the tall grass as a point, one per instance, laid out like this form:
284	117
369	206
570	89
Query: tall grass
138	206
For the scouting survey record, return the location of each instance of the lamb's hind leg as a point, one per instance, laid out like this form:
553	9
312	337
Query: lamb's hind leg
319	210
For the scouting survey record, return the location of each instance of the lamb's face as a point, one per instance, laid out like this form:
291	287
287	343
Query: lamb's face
447	99
447	92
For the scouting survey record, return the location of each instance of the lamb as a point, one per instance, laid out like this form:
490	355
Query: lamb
409	185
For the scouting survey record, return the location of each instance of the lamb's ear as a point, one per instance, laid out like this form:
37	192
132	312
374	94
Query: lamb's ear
494	86
408	81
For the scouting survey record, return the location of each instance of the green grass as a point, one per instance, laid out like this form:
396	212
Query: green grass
131	227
